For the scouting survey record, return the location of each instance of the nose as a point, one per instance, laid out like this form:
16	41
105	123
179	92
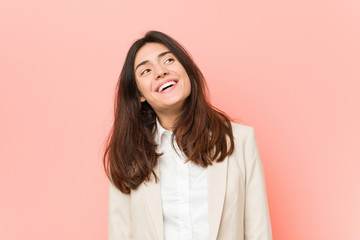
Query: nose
161	71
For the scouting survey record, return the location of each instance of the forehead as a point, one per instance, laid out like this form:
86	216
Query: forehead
149	52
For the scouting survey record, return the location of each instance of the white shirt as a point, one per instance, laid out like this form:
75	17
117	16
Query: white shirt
183	192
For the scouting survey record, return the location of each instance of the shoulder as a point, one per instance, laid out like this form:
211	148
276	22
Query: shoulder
242	132
244	140
245	148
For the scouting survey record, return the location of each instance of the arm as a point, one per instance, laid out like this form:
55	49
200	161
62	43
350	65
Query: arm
257	219
119	225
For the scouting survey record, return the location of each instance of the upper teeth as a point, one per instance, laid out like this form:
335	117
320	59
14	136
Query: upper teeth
167	84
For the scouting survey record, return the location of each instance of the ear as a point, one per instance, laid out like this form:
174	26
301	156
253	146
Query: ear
141	98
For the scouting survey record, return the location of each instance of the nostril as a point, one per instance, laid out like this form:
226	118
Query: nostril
161	75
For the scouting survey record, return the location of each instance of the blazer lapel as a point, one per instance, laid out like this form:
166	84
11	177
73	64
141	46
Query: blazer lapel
153	198
216	193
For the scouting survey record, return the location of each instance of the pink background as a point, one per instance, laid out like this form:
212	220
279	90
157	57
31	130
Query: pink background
288	68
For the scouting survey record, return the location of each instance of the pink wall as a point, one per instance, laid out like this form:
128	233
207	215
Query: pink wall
288	68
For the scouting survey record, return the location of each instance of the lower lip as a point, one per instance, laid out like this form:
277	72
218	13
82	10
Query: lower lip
169	89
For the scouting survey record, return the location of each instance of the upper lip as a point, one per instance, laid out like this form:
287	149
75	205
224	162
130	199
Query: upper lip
163	82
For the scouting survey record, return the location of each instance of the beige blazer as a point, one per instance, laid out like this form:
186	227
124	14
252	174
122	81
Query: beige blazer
237	199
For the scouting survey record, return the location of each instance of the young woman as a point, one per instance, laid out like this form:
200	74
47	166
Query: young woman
179	169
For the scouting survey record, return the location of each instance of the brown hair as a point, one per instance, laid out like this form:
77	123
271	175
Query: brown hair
201	130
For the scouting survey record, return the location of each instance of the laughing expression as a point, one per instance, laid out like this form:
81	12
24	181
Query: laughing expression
161	79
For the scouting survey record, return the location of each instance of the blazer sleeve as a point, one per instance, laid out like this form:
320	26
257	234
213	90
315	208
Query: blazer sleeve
257	219
119	218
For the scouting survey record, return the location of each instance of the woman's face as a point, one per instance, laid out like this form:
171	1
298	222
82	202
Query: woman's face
161	79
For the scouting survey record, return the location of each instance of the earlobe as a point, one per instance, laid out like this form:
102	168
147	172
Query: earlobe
141	98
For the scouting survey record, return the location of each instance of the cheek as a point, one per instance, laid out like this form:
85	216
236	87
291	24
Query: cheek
140	87
144	86
189	89
185	76
188	83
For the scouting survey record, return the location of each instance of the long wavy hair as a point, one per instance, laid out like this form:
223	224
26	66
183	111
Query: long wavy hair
202	132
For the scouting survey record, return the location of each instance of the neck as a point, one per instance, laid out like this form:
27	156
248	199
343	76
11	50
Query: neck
167	121
168	116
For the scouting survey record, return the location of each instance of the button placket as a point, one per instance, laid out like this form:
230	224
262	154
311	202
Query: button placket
183	186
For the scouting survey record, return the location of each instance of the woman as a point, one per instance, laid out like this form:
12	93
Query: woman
179	169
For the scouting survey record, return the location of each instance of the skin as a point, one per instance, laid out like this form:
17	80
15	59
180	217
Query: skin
154	66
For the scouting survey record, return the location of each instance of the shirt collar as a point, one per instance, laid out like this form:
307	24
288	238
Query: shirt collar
160	130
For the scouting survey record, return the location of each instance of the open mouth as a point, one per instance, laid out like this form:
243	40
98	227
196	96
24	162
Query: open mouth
166	86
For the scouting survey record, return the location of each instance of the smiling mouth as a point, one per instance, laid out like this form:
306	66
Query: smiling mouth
166	86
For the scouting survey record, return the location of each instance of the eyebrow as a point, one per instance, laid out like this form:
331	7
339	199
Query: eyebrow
146	61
